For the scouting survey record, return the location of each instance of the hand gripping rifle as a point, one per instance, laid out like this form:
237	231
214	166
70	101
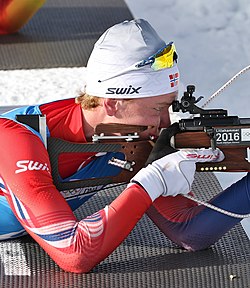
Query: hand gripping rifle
214	128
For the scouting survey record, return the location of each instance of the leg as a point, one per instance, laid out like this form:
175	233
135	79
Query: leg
197	227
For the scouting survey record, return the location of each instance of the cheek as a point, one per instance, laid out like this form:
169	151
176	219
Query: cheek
165	119
142	117
145	112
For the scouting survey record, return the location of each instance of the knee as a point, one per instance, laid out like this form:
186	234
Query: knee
195	242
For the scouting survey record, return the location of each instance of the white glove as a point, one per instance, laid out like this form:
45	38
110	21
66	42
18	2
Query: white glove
174	173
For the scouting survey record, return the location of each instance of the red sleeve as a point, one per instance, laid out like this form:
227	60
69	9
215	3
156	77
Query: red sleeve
76	246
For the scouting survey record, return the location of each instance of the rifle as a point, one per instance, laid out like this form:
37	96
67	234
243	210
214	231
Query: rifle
213	128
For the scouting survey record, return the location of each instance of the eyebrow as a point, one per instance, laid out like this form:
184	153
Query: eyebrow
171	99
165	102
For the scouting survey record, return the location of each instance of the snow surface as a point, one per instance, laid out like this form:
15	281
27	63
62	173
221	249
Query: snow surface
212	42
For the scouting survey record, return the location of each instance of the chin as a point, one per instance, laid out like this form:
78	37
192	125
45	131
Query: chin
149	134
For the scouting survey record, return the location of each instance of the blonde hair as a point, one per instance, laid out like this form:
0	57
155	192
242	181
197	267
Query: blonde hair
87	101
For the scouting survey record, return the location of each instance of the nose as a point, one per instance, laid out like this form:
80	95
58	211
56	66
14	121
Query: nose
164	118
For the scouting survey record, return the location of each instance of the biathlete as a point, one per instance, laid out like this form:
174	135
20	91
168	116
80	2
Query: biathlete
132	78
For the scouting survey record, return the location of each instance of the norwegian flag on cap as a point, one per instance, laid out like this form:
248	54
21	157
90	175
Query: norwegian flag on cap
174	79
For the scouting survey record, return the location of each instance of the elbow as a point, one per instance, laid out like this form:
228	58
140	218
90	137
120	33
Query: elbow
75	262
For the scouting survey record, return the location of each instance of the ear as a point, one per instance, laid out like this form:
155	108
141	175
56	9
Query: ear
110	106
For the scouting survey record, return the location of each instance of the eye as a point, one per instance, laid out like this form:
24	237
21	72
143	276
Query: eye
159	109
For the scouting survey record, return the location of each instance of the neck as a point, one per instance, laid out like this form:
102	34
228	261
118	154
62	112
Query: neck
92	118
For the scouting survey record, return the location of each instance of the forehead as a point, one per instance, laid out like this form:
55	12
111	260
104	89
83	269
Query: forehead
161	99
167	97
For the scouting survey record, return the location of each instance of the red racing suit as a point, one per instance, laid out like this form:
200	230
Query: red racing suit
77	246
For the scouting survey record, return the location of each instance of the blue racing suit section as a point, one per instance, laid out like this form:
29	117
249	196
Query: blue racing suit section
10	227
196	227
98	168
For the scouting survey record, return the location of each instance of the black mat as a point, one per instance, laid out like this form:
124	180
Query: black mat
145	259
61	34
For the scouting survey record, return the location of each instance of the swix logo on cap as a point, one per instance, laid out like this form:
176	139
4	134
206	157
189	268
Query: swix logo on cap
127	90
174	79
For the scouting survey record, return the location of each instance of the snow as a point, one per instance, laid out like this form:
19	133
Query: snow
44	85
212	42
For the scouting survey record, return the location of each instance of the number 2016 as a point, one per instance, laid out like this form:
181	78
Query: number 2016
227	137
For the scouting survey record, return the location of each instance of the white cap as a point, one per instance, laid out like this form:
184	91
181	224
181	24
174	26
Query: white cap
111	71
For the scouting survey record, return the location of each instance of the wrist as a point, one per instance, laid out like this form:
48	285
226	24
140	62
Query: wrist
148	179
